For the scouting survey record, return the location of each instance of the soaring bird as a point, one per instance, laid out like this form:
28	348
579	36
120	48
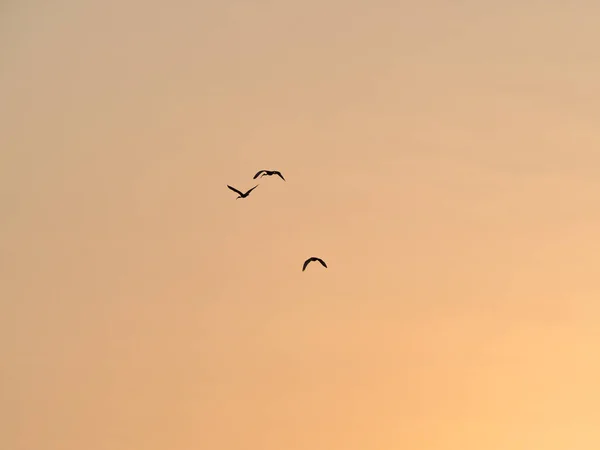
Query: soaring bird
313	258
242	194
268	173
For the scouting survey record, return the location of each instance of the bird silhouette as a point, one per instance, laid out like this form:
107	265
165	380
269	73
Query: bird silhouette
313	258
242	194
268	173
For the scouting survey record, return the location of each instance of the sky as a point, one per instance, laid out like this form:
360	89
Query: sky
442	158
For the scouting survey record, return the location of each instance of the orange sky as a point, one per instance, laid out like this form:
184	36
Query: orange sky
442	157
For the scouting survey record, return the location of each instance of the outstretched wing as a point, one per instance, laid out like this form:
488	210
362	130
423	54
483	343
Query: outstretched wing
306	264
250	190
257	174
322	262
234	190
279	173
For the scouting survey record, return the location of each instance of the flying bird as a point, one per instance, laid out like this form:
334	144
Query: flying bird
242	194
313	258
268	173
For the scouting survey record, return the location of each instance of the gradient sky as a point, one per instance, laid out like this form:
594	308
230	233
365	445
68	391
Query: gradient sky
442	157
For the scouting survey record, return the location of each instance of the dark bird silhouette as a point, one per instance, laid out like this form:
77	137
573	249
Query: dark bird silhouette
242	194
313	258
268	173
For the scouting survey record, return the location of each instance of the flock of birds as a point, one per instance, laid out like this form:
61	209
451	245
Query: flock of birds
269	173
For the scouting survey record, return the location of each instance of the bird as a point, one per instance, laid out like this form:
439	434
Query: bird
313	258
241	194
268	173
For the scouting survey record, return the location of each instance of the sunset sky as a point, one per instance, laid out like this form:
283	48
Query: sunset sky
443	158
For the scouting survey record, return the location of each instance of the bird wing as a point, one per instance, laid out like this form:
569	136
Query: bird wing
279	173
250	190
257	174
234	190
322	262
306	264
